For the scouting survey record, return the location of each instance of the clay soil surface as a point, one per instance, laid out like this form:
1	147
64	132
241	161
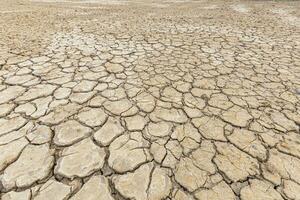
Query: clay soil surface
149	100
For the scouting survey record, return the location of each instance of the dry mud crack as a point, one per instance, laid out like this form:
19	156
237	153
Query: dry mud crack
149	100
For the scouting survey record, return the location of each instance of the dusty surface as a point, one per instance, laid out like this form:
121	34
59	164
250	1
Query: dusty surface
149	100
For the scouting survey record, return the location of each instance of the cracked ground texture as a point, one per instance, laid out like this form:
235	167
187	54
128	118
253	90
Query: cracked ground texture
149	100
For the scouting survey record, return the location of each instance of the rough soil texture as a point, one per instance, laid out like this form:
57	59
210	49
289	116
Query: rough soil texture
149	100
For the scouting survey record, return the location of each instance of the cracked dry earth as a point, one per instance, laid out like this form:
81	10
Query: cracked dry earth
149	100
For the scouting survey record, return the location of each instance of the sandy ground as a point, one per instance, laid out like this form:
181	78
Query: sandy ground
149	100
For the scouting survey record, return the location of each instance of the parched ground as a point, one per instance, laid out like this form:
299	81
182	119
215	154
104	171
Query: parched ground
149	100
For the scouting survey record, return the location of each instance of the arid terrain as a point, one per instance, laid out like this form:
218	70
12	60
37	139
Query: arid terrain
149	100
